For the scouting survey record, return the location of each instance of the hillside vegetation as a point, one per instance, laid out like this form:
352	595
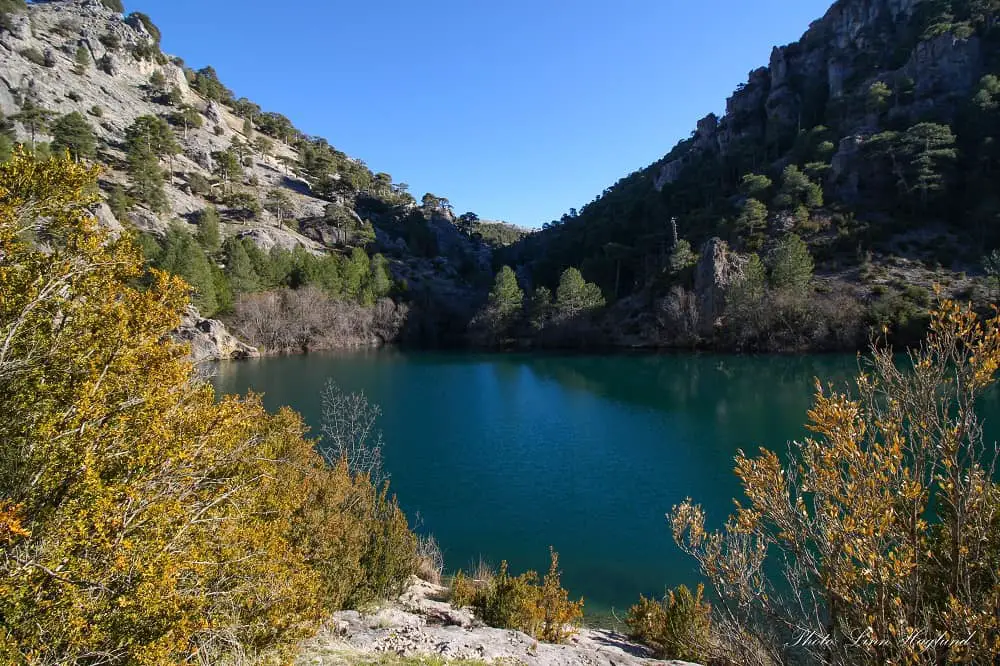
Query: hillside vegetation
842	182
237	201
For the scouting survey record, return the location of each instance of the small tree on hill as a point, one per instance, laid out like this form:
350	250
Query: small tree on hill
279	204
751	223
34	117
791	264
797	190
82	60
72	132
209	236
576	296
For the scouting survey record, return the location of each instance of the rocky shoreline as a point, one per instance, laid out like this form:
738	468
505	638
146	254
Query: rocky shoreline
421	625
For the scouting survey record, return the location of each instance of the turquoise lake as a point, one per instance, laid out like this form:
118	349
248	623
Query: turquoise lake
500	456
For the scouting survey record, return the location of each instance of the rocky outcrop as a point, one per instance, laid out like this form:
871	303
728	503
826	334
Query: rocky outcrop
834	61
210	341
718	268
419	625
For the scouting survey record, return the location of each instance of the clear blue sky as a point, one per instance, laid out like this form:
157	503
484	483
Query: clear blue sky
515	109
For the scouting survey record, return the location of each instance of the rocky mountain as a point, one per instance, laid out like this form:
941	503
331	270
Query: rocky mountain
275	189
872	138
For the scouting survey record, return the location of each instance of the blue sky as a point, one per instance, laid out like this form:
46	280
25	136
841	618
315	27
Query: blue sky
515	109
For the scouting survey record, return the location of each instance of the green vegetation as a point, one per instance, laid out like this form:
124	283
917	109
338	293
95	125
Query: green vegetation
34	117
82	59
147	24
677	627
117	537
519	602
73	133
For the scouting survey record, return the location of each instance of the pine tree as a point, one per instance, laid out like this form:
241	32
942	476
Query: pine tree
791	264
209	236
120	202
227	168
182	256
381	277
72	132
82	60
751	222
356	271
576	296
240	269
147	180
34	117
151	134
506	297
187	117
7	138
797	190
279	204
682	257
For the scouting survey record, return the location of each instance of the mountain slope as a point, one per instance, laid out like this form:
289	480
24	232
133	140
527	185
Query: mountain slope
300	208
872	137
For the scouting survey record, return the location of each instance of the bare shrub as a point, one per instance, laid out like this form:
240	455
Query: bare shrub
880	535
679	315
430	559
306	319
349	431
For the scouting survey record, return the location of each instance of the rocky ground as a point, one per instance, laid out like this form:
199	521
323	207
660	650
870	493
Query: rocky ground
420	627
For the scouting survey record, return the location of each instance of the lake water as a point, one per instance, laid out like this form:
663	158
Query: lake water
500	456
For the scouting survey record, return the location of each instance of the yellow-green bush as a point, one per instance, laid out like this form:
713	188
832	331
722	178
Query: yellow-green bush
141	520
677	627
519	602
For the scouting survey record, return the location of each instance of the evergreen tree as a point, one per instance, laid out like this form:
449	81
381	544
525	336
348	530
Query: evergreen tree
240	269
263	145
184	257
381	277
152	135
920	158
187	117
751	223
34	117
791	264
207	83
682	257
540	308
356	271
148	24
506	297
147	180
209	236
877	98
82	60
72	132
755	185
120	202
576	296
279	204
7	138
227	168
797	190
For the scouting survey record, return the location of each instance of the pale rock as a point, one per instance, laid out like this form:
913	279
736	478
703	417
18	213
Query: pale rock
718	268
209	339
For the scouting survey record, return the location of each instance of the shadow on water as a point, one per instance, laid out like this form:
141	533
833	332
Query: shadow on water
503	455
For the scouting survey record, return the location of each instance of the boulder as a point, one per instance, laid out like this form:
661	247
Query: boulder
209	339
